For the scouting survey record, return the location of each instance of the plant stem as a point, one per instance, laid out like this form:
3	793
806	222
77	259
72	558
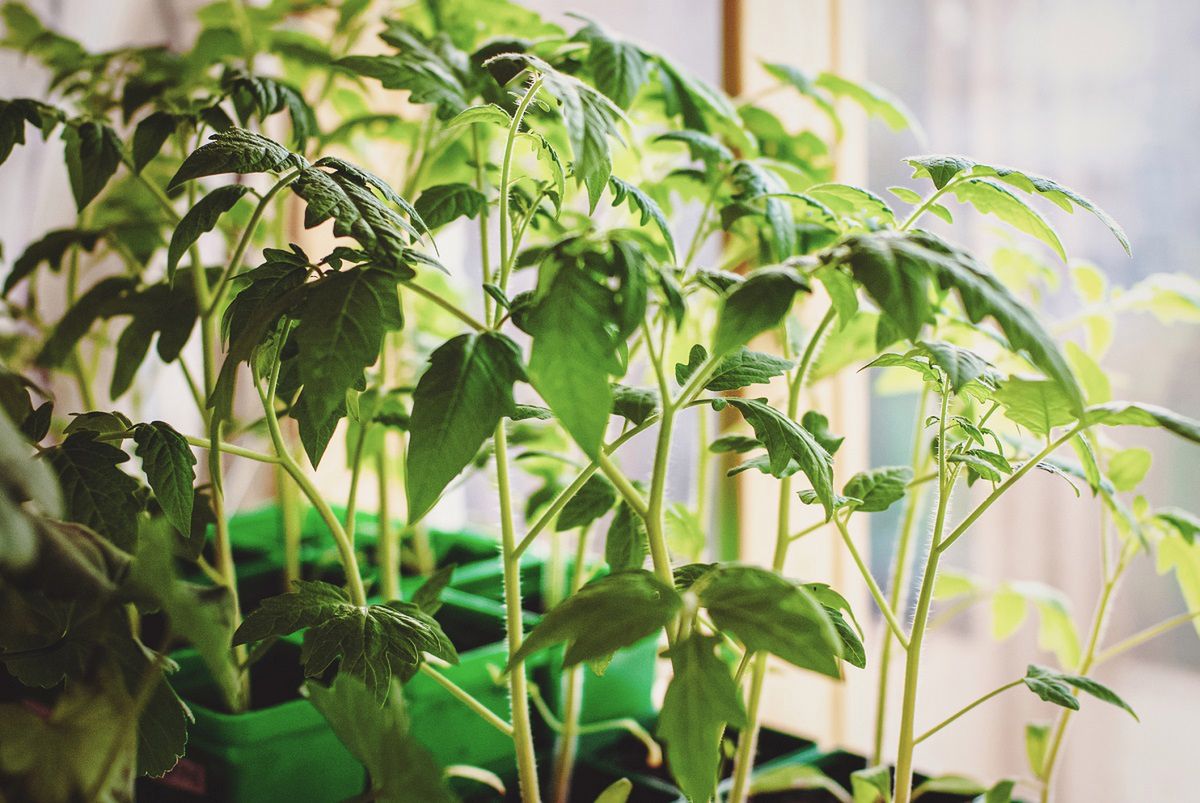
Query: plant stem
568	738
389	557
517	681
1099	621
912	667
449	306
355	475
1140	638
485	259
345	548
966	709
239	252
898	596
465	697
289	502
930	201
876	593
506	257
743	762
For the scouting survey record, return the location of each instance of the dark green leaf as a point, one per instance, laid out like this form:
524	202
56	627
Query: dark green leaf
818	425
739	444
605	615
634	404
51	249
768	613
443	203
235	150
399	767
756	305
373	643
700	701
700	146
93	153
879	488
419	71
169	465
755	183
457	404
199	219
992	198
1187	524
342	324
619	68
429	596
961	366
787	441
96	492
745	367
643	204
14	114
626	545
1055	687
590	502
150	136
259	97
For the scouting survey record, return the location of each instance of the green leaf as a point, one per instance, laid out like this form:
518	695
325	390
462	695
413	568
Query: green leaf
701	106
992	198
589	117
93	153
625	192
372	643
443	203
399	767
950	785
417	69
739	444
457	404
879	488
150	136
1097	387
169	465
700	701
634	404
767	612
342	324
941	169
1037	404
487	113
616	792
619	68
1118	413
235	150
259	97
805	84
874	100
739	369
1185	523
626	545
1037	739
1055	687
790	776
756	305
960	365
1000	793
51	249
700	146
818	425
428	597
872	785
199	219
590	502
753	182
1127	468
897	269
685	534
574	341
14	114
605	615
96	492
786	441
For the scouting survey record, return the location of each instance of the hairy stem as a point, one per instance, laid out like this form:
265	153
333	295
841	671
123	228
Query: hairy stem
912	667
872	586
898	593
517	681
967	709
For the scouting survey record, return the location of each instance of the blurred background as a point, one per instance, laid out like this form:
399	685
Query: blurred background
1100	94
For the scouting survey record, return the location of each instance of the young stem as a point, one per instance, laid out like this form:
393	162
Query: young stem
354	583
912	666
967	709
1140	638
389	557
1099	621
898	595
876	593
485	259
517	681
568	738
506	257
743	762
465	697
356	466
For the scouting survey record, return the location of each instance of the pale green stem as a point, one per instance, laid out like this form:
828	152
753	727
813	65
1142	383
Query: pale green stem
1140	638
506	258
465	697
355	474
517	681
966	709
900	572
449	306
869	579
904	758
